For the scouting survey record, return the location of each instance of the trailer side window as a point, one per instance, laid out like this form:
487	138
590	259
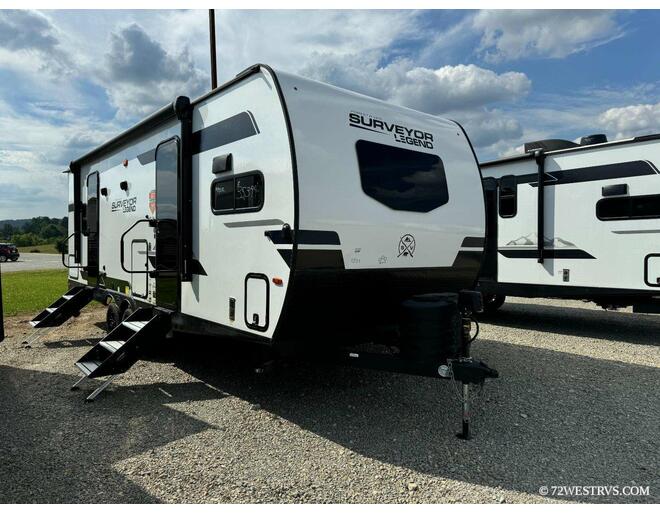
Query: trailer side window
241	193
402	179
508	199
628	207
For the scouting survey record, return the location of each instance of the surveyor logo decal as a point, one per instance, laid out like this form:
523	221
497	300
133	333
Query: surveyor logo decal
406	246
152	201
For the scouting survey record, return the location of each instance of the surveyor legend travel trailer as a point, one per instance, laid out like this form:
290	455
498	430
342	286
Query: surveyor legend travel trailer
571	220
281	211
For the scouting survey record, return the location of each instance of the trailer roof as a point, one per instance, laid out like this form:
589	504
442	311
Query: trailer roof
161	116
530	155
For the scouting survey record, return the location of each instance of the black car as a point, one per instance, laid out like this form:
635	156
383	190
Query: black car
8	252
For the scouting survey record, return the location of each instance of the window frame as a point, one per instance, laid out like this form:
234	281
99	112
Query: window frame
630	199
441	163
235	177
513	195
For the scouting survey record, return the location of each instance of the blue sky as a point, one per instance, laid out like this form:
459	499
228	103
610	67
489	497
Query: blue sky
71	79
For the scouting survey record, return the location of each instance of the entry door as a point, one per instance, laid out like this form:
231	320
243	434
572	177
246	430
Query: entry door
167	227
92	225
140	262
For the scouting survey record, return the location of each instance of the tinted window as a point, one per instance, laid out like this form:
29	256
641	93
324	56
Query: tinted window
248	192
223	195
167	166
629	207
508	199
402	179
238	194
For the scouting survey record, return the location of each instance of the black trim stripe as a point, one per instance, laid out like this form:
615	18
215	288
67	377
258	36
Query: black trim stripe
558	253
314	259
227	131
305	237
286	255
319	259
147	157
468	260
235	128
591	173
473	242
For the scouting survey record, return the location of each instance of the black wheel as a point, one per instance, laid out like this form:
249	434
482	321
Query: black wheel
112	317
126	313
492	302
3	258
14	259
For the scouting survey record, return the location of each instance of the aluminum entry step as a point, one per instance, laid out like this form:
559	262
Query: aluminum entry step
51	309
112	346
67	296
135	326
88	367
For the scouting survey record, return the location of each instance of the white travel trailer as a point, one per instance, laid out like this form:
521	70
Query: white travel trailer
580	221
281	211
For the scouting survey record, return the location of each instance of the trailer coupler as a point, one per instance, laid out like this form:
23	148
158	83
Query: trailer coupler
467	371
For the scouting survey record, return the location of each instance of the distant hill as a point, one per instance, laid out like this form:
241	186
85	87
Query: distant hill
38	231
19	224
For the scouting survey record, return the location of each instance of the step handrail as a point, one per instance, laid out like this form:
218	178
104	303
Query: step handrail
65	253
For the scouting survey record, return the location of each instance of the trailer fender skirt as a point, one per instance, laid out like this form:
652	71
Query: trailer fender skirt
472	371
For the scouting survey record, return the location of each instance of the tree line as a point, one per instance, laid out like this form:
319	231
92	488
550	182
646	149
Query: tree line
37	231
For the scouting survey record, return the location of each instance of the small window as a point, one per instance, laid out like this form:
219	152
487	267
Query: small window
402	179
628	207
241	193
223	195
508	198
248	192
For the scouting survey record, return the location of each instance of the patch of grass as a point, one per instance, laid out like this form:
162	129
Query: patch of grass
31	291
50	248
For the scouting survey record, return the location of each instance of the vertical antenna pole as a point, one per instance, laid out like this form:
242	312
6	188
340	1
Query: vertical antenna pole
214	66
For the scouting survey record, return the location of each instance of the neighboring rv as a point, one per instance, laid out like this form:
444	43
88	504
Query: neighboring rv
582	221
281	211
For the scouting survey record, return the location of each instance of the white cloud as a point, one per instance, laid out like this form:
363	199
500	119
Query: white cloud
140	75
510	35
631	120
34	152
436	91
29	40
490	129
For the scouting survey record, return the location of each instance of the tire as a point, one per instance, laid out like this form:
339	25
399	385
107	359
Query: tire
492	302
14	259
112	317
3	258
126	313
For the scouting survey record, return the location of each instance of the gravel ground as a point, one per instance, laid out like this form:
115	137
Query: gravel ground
577	404
33	262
